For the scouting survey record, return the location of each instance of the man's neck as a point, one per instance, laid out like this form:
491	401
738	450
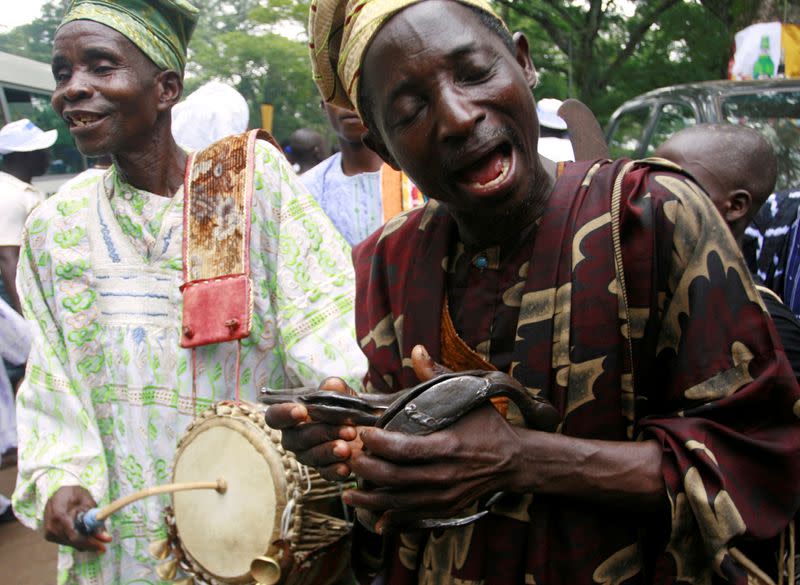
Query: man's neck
357	159
158	169
480	230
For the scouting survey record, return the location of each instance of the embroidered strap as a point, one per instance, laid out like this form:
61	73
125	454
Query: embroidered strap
218	190
217	292
216	209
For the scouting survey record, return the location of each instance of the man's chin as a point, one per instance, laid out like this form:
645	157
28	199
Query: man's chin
92	150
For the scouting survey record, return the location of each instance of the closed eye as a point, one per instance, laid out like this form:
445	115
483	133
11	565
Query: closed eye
476	73
408	116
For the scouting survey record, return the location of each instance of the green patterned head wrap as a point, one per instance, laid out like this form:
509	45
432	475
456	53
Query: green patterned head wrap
160	28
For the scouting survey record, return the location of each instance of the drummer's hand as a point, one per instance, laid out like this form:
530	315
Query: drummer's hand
323	446
435	475
59	519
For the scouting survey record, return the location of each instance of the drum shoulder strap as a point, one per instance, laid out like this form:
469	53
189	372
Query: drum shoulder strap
218	192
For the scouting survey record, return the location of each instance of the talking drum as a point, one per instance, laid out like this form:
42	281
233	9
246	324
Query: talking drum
272	524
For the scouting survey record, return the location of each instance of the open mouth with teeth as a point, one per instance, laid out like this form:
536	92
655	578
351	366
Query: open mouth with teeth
81	120
489	171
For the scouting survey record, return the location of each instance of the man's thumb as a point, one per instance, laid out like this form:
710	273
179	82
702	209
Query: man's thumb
424	366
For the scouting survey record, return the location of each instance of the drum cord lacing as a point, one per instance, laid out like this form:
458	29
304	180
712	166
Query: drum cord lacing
194	383
304	474
286	519
237	395
238	368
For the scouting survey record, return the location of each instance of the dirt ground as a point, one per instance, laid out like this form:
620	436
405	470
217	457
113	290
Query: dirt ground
25	557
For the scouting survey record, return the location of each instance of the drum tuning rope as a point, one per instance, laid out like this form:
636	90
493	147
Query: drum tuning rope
304	474
238	368
92	521
194	383
237	395
286	519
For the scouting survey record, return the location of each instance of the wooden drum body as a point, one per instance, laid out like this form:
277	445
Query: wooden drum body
273	523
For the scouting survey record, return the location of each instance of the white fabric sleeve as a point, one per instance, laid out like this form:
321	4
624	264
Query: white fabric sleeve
59	442
314	283
15	335
13	212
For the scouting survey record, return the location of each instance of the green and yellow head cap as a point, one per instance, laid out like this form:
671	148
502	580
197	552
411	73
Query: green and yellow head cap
339	33
160	28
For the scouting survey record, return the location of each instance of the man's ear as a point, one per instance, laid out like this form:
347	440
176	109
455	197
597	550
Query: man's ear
170	89
374	143
523	57
739	204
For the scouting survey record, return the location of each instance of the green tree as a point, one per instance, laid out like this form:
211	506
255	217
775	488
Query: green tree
601	54
247	44
595	35
236	41
35	39
265	65
600	51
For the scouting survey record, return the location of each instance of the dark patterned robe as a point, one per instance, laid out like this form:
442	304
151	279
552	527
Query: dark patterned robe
704	375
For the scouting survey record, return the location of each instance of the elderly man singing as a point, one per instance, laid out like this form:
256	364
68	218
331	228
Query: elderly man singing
607	288
109	388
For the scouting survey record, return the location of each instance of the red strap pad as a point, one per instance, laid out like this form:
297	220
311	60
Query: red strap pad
216	310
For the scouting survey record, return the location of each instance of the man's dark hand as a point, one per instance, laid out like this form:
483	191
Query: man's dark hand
436	475
325	447
59	520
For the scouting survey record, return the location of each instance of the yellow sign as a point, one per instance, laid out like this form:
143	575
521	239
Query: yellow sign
266	117
790	38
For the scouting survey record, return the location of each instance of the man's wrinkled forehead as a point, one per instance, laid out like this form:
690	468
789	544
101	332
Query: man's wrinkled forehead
431	28
430	24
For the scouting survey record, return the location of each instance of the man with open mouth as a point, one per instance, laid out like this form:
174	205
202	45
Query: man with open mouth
112	383
607	288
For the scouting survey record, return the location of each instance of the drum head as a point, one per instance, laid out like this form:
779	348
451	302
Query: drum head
223	533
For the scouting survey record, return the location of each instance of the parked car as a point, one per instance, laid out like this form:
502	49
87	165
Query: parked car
772	107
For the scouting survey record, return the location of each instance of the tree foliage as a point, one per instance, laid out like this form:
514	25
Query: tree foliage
600	51
605	51
35	39
259	49
249	45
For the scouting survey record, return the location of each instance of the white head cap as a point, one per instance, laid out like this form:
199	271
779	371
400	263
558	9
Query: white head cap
25	136
547	110
213	111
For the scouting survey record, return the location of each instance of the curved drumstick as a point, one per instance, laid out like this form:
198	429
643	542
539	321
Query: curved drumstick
93	520
588	140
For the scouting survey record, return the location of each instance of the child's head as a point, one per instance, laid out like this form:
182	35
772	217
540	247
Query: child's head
734	164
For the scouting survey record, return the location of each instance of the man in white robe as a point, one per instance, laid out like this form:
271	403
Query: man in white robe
108	390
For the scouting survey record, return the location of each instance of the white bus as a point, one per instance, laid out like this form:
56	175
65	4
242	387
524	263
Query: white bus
25	89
